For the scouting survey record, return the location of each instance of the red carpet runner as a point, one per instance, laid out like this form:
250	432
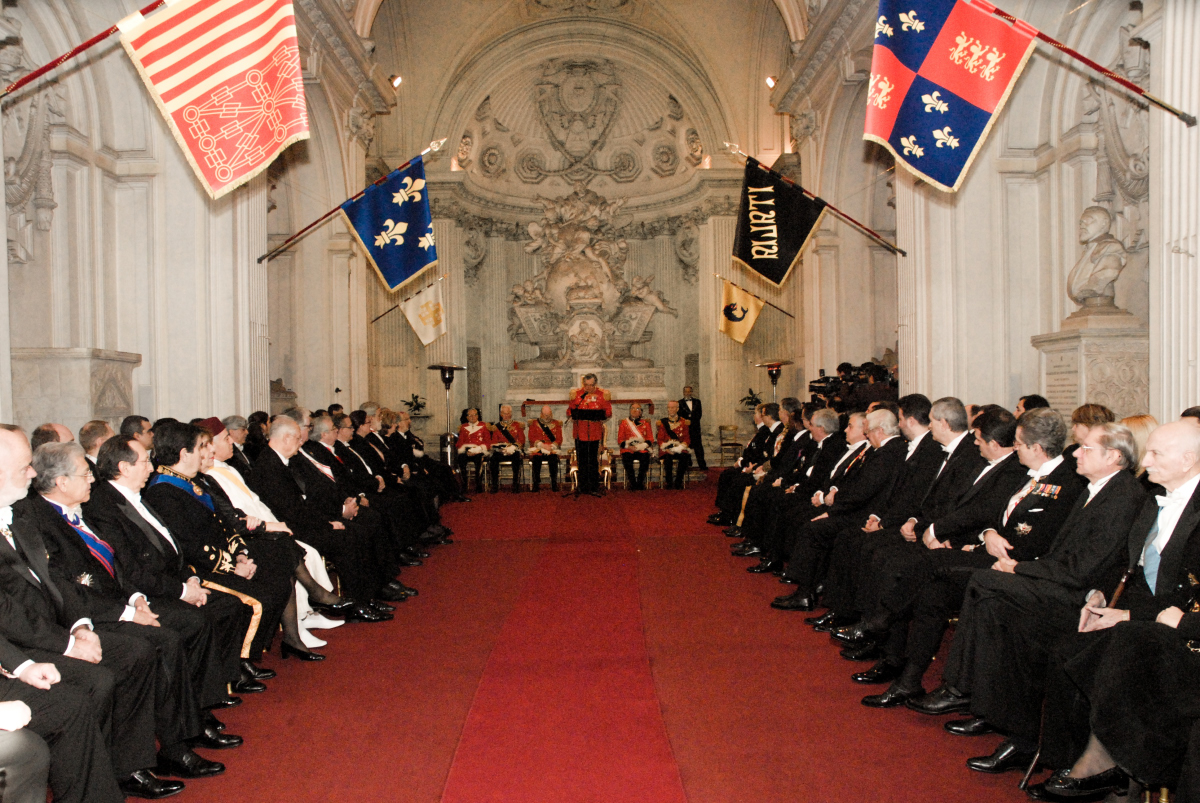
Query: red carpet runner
594	650
566	710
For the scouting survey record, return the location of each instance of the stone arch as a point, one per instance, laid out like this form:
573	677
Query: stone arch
467	85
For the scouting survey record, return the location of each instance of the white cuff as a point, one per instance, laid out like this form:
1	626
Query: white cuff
183	593
133	598
16	673
85	622
70	645
128	614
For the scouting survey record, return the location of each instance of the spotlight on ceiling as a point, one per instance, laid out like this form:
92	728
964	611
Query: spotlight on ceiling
395	79
771	81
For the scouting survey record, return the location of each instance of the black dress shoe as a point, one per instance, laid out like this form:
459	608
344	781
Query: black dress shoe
212	722
213	739
363	613
413	552
975	726
734	531
823	619
256	672
248	685
336	609
288	651
840	620
796	601
228	702
405	560
851	635
764	566
1063	785
189	765
392	593
787	581
145	785
408	590
894	696
865	652
1008	755
882	672
748	551
942	700
379	606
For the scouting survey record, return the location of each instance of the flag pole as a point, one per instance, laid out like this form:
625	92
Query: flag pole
747	292
868	231
1190	120
72	53
402	301
436	145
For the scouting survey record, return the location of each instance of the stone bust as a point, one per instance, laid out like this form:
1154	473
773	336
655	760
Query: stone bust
1090	283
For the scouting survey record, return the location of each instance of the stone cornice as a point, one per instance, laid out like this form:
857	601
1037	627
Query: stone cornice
826	36
339	37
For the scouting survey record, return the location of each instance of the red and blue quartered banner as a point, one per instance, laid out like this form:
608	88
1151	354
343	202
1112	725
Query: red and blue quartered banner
940	74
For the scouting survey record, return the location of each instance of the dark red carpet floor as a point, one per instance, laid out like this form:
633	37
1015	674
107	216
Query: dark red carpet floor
586	650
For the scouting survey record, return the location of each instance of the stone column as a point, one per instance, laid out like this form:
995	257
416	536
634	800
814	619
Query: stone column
1174	212
252	385
7	414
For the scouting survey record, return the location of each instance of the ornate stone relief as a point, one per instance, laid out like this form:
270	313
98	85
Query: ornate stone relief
687	250
474	253
580	310
804	125
27	163
360	124
542	8
579	120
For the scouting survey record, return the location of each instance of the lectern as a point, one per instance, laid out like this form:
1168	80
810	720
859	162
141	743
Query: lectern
449	437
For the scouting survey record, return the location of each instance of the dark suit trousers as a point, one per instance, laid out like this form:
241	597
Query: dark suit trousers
928	599
271	589
674	467
811	542
730	488
763	508
81	770
697	439
494	462
176	708
1001	647
636	480
536	462
121	689
352	553
463	459
587	453
226	620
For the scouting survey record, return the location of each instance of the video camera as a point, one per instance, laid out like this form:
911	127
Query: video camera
825	386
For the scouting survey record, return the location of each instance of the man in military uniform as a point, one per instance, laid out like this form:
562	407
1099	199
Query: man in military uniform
508	440
590	407
674	438
545	437
635	436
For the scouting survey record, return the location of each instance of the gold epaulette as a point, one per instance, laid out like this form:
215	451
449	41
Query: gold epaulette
607	396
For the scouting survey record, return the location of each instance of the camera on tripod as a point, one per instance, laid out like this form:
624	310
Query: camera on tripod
824	386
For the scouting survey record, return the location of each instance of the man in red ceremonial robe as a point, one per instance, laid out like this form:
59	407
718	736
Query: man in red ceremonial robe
635	436
590	407
508	441
673	442
474	440
545	438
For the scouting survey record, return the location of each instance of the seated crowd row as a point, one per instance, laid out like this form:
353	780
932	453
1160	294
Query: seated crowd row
145	572
1071	569
540	441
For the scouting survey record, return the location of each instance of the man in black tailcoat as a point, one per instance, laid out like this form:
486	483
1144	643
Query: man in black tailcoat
691	409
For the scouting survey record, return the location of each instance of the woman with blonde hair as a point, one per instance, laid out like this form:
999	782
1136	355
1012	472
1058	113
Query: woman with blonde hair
1141	426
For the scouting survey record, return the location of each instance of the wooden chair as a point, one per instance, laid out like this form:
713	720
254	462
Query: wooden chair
729	443
606	470
506	465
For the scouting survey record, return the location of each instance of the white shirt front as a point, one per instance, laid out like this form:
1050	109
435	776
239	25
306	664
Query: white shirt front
1095	487
914	443
1170	510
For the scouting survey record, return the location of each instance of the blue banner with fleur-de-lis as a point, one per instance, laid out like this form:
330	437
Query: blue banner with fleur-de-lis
941	71
392	222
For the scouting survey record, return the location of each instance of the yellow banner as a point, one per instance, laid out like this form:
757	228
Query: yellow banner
739	311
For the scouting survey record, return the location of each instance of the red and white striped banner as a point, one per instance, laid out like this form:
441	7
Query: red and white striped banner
226	75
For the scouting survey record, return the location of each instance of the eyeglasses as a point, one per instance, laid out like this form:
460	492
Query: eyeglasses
1086	448
87	473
